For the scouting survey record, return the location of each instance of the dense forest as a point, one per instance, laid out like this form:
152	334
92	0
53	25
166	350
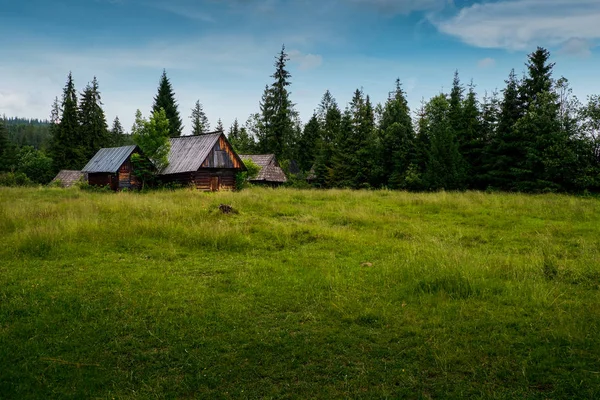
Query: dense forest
533	136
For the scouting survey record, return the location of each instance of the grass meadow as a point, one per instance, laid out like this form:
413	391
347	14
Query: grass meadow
302	294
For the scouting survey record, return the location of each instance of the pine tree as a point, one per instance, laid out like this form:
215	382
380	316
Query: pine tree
330	118
117	133
506	149
397	139
220	127
165	99
239	138
456	102
93	130
200	124
445	168
277	112
539	77
67	149
471	140
354	148
308	143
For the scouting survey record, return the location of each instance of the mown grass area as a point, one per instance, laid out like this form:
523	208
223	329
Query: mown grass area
303	294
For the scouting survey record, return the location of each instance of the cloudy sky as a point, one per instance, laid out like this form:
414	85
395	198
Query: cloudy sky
222	51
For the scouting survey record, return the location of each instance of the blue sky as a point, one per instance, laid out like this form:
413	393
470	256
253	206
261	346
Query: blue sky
222	51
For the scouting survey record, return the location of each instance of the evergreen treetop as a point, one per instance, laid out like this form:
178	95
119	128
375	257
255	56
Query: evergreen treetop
165	99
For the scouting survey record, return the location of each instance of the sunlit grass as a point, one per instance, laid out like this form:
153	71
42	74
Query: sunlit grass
302	294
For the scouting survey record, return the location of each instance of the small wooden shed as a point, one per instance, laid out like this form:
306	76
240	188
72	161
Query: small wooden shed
112	167
207	161
270	173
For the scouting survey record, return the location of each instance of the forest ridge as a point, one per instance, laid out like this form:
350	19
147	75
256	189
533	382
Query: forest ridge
533	136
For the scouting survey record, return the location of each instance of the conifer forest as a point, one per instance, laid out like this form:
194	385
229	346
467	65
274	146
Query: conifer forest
532	135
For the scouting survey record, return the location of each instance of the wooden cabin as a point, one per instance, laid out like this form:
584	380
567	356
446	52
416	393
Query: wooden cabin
270	173
112	167
67	178
207	161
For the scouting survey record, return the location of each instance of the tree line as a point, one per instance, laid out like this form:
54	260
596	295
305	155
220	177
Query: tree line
533	136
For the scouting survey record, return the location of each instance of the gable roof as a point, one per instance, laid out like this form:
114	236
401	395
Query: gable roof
262	160
67	177
109	160
271	173
189	152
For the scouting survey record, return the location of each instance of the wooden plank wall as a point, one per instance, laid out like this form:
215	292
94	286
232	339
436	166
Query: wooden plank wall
227	158
202	179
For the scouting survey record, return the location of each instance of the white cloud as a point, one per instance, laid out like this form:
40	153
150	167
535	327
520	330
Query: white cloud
577	47
486	63
523	24
305	61
402	6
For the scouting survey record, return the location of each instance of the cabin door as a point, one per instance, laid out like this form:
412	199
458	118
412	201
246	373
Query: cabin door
215	183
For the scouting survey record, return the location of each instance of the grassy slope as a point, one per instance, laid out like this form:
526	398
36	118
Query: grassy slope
160	295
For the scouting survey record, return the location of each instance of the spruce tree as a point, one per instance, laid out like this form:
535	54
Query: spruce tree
445	167
200	124
67	149
93	130
539	77
117	133
471	140
506	149
456	105
165	99
239	138
330	118
277	112
220	127
308	143
397	139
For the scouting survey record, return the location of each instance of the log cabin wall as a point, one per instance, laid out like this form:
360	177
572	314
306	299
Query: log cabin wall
204	179
104	179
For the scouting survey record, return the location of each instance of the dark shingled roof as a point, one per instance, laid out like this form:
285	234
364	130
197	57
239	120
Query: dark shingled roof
262	160
270	173
108	160
189	152
68	178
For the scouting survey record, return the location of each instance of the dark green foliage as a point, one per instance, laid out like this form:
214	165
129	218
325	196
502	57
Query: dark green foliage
539	78
239	138
165	99
200	124
7	150
152	137
445	166
353	154
506	150
397	149
35	165
309	143
472	140
117	134
93	130
220	127
277	113
28	132
242	178
67	148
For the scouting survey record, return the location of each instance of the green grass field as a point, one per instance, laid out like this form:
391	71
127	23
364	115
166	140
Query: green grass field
303	294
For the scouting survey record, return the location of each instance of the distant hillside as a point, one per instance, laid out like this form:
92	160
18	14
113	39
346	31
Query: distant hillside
28	132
